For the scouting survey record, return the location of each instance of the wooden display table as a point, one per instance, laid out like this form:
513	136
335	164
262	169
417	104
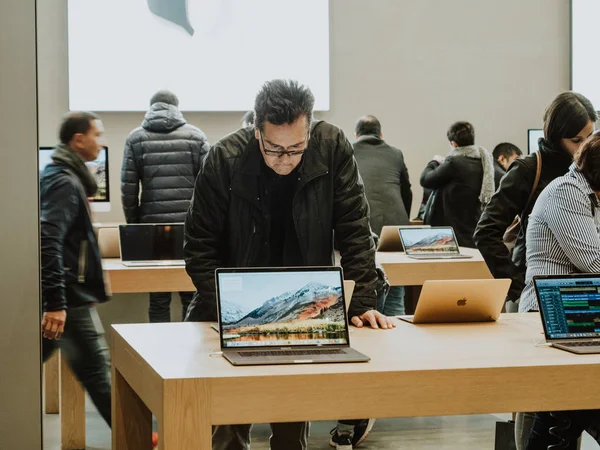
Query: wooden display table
132	280
166	369
404	271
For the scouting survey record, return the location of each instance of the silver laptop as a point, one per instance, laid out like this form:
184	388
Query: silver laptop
151	244
457	301
283	316
431	243
570	310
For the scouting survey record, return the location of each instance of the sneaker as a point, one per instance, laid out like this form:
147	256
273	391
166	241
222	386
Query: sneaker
340	441
361	431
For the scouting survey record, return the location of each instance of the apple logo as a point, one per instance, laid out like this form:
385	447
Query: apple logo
462	302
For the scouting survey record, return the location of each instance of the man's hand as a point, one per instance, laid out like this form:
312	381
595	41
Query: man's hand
373	318
53	324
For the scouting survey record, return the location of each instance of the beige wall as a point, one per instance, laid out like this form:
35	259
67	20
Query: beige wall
20	368
417	65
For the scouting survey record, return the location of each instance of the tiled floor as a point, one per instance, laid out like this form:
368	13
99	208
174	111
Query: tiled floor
430	433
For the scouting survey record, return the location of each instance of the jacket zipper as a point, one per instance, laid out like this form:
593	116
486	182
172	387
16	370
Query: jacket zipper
82	261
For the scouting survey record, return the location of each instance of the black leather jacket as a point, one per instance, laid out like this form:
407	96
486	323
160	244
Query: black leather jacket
228	222
71	262
509	201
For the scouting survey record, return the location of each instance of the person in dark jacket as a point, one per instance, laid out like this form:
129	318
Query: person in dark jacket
274	196
461	183
568	121
504	154
387	187
164	156
382	168
72	277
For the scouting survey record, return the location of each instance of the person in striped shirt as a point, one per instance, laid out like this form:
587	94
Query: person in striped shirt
563	237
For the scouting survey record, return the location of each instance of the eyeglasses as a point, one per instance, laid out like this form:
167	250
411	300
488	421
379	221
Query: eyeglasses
280	153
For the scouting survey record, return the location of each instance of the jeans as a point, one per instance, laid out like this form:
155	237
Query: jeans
84	346
285	436
562	429
159	309
393	303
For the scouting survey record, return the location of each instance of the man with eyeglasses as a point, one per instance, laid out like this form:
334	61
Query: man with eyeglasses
274	196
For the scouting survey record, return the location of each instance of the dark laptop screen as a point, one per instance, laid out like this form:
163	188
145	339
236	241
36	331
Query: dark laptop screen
290	307
151	242
570	306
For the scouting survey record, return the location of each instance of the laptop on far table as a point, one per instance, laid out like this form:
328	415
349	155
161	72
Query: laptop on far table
148	244
570	310
389	239
431	243
456	301
283	316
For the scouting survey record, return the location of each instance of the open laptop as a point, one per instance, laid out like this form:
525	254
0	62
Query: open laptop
456	301
283	316
389	239
431	243
570	310
150	244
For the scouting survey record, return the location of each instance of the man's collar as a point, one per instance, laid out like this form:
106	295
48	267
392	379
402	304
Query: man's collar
369	137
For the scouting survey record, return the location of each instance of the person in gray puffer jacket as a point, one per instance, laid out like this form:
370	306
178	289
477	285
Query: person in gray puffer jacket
164	156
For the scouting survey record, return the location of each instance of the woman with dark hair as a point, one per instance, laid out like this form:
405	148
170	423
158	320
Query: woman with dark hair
462	183
563	237
568	121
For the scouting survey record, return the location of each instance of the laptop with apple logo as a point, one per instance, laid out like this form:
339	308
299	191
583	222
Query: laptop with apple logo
457	301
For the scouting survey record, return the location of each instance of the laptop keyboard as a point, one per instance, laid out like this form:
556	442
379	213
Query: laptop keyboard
336	351
582	344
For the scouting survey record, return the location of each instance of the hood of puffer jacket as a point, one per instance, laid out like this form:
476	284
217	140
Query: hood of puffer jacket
163	118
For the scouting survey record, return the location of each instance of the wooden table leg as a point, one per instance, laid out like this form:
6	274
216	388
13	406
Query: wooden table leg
131	419
72	408
186	421
51	391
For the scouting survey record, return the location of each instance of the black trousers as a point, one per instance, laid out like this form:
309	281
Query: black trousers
562	429
84	346
159	309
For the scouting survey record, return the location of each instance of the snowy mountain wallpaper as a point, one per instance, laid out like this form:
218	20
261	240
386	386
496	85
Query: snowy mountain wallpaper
283	306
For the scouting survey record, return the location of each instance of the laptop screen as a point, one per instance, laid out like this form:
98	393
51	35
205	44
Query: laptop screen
287	307
429	240
570	306
151	242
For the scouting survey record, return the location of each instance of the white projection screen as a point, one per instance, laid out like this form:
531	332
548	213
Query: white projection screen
214	54
585	70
